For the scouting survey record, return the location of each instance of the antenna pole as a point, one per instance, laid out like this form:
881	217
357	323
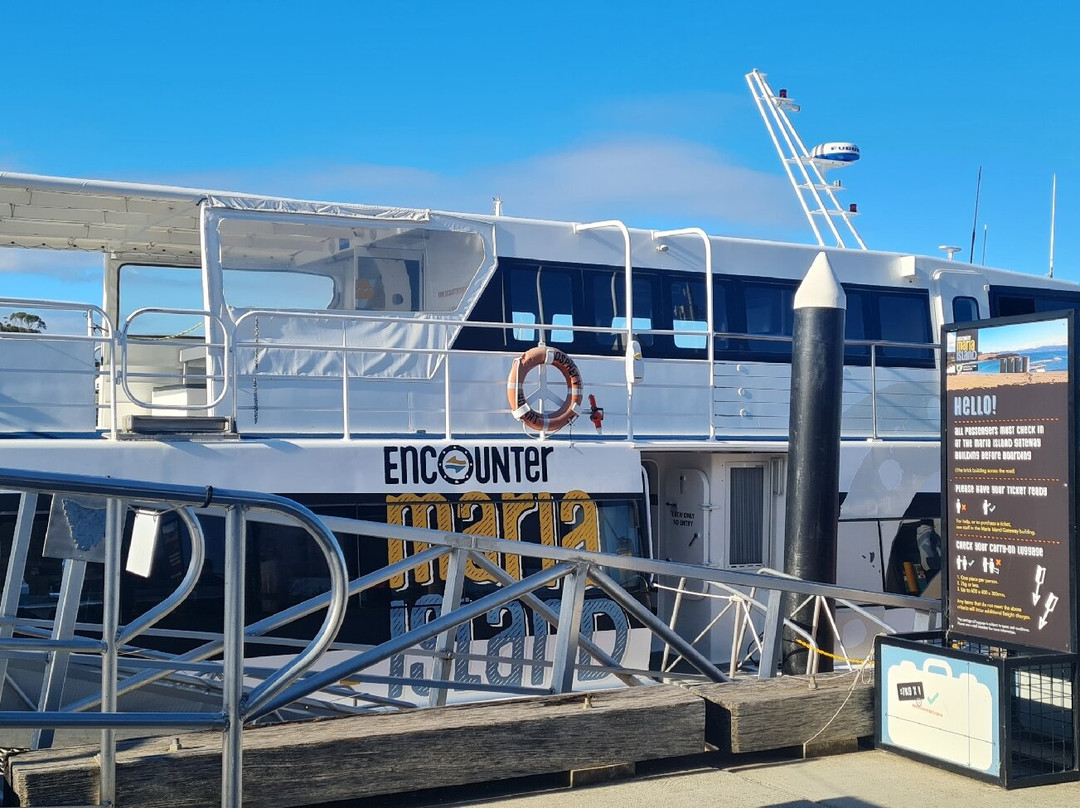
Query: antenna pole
975	224
803	171
1053	207
982	262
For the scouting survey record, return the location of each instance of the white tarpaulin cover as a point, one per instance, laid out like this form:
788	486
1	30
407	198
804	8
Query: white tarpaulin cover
403	286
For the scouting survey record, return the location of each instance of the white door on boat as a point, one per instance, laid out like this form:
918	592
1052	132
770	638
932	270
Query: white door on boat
960	294
682	536
682	529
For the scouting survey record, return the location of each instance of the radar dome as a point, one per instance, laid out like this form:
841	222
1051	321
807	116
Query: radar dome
836	152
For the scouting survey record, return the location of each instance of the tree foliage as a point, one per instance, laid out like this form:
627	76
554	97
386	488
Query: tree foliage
23	323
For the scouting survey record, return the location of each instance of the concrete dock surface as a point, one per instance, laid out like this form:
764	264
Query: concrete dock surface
865	779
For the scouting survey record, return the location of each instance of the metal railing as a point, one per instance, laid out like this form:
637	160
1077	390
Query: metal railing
238	707
115	379
577	658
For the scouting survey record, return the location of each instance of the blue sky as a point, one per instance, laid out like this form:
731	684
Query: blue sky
1023	336
578	111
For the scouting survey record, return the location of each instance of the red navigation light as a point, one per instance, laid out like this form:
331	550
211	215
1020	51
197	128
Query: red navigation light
853	208
783	93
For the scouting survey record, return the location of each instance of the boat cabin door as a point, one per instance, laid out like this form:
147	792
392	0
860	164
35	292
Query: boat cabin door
723	517
683	535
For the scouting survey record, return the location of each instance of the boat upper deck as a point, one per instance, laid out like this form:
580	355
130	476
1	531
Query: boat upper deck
256	316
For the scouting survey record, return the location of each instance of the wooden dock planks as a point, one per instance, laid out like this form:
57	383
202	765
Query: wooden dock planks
349	758
755	715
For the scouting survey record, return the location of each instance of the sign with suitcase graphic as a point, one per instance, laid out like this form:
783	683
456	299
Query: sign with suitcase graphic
940	707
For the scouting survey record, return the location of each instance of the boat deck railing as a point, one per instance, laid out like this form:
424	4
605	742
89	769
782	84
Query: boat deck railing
334	379
569	593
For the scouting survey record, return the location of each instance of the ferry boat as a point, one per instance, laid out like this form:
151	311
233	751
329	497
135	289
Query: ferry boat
584	385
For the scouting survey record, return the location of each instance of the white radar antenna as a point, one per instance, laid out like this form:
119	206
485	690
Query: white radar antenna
806	169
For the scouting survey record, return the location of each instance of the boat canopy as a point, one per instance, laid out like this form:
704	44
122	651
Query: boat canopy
155	220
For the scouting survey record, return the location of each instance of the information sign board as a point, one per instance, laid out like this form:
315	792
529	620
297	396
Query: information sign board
1008	465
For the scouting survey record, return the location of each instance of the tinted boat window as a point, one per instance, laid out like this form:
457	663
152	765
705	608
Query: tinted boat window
855	324
607	291
769	310
1009	300
542	295
721	323
904	318
688	312
965	309
675	301
877	314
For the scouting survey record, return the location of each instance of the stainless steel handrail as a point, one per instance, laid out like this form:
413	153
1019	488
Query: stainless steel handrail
125	338
118	494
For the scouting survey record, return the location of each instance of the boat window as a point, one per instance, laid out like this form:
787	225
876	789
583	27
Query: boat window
145	286
904	318
770	311
282	261
542	295
267	289
1006	301
674	301
604	289
855	324
965	309
910	569
1009	305
688	312
621	534
721	324
608	294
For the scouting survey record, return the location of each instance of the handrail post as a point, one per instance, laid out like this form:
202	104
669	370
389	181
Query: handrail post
629	294
455	583
346	429
710	346
446	384
110	622
873	390
676	608
114	407
774	631
566	641
16	572
67	611
233	662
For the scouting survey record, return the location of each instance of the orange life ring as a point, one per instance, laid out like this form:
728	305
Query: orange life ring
515	390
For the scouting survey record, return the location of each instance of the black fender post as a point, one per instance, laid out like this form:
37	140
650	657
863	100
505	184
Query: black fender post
812	508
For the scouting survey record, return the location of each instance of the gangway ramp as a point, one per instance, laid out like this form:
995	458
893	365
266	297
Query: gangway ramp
250	693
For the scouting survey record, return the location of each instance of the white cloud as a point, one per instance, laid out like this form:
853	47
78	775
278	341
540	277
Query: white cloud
648	182
644	181
62	264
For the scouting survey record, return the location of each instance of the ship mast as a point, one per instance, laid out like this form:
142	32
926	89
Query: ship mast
806	170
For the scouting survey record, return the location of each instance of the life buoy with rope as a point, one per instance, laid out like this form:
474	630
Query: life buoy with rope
520	408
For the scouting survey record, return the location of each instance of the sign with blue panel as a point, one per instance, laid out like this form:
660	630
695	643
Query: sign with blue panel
941	707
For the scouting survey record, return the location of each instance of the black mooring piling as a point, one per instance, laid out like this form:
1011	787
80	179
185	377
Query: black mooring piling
813	466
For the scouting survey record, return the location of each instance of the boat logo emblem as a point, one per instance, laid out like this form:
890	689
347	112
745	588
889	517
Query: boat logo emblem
455	464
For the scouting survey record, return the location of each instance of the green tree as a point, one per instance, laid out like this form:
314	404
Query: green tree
23	323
